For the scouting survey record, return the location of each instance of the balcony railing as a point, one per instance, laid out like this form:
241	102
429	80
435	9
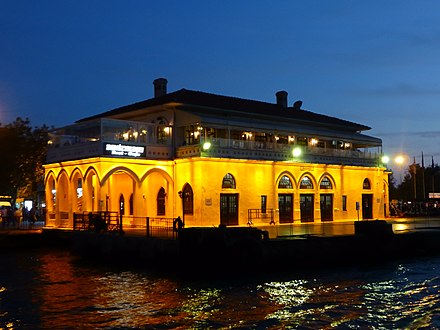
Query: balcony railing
228	148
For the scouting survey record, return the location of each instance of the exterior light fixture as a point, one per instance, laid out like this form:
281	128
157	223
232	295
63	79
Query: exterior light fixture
385	159
399	159
206	145
314	142
296	152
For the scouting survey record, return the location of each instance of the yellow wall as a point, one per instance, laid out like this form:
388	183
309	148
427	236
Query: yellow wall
144	178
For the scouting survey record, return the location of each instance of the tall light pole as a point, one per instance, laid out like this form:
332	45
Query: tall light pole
400	160
414	172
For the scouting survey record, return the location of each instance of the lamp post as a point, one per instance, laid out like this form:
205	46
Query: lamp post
400	160
181	195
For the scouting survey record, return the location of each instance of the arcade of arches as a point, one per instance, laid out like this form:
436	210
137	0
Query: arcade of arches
208	193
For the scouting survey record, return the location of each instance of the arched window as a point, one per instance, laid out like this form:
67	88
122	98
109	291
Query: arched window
131	205
306	183
161	202
325	183
367	184
228	182
285	183
188	201
121	204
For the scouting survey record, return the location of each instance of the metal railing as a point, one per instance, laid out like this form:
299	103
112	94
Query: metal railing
160	227
97	221
257	215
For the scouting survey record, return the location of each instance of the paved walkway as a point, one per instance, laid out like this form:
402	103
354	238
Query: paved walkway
279	230
345	227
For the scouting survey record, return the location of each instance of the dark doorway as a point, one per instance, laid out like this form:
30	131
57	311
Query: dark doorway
306	206
326	207
367	206
285	206
161	201
229	209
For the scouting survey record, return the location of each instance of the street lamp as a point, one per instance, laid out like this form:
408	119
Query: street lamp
401	160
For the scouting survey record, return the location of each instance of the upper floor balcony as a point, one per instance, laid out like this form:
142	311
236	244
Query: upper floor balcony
134	139
227	148
111	138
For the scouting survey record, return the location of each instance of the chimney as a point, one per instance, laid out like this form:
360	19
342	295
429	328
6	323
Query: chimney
297	105
160	87
282	98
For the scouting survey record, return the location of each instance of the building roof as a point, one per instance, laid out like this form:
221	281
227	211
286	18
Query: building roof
205	101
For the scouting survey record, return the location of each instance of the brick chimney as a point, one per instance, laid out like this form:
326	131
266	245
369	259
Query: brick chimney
160	87
281	98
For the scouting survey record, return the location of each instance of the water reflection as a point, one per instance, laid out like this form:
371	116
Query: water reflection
55	290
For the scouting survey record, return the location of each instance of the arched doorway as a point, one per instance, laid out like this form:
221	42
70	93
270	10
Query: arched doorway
306	200
326	199
285	200
228	202
367	200
160	201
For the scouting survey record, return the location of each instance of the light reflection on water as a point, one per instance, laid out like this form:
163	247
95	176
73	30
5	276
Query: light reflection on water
55	290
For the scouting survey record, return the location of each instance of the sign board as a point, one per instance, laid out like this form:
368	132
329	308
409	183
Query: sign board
124	150
434	195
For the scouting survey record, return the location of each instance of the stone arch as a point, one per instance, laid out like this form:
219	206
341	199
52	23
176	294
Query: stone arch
48	175
159	171
187	199
50	185
92	169
366	184
311	177
91	190
63	192
151	182
229	181
330	178
76	171
289	175
77	192
124	169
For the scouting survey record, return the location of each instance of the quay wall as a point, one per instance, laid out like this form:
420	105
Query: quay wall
233	249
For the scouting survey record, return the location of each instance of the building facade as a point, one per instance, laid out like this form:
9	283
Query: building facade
212	160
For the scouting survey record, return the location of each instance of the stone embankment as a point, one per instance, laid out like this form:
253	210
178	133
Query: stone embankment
234	249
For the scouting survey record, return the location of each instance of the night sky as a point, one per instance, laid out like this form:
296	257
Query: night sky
372	62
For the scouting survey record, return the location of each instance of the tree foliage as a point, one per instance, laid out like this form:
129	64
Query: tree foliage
417	183
23	153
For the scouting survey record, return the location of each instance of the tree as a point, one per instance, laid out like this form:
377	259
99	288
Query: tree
22	155
424	180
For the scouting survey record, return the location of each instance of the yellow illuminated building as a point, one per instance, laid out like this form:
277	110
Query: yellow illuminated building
212	160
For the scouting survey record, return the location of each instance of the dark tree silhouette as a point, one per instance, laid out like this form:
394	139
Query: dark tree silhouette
22	155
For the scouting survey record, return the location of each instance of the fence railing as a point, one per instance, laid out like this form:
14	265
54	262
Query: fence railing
259	215
160	227
97	221
112	221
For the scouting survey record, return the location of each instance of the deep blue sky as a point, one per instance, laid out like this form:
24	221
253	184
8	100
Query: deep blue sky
373	62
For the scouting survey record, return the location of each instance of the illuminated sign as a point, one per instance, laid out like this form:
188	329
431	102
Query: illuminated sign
434	195
124	150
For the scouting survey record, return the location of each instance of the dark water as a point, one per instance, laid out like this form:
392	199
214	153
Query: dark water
55	290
